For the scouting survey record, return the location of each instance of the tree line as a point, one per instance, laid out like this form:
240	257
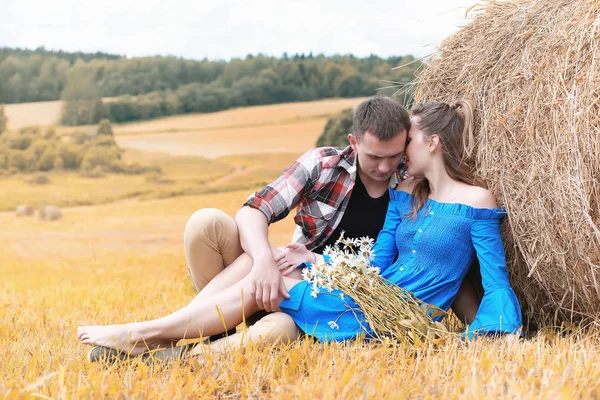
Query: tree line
38	75
151	87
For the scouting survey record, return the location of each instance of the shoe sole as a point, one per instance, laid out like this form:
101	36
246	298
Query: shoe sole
166	356
106	355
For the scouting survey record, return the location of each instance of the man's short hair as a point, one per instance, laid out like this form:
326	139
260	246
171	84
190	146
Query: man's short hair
381	116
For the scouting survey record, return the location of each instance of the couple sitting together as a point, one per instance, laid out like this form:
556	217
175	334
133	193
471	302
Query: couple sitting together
404	180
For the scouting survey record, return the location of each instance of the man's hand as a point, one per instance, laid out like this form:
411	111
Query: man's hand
293	255
267	284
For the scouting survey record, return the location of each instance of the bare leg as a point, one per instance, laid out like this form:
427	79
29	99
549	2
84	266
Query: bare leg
231	275
216	262
221	312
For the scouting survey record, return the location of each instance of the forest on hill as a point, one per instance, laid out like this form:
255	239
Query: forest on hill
152	87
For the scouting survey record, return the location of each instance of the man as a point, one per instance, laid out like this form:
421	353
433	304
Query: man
332	189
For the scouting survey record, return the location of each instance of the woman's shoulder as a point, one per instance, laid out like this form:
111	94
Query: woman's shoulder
474	203
478	197
478	203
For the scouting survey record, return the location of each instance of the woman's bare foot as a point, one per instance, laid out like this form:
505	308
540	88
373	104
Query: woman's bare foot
124	338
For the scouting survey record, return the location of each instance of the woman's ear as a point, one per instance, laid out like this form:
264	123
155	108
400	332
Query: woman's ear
434	142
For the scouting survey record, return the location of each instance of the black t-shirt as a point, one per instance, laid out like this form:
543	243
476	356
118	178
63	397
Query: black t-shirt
364	215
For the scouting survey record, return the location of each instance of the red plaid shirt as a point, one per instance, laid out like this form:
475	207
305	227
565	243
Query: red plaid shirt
318	184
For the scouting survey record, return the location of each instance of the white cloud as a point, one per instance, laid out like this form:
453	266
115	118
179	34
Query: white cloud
230	28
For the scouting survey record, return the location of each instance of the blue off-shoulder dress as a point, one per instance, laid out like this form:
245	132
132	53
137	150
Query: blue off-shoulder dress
429	256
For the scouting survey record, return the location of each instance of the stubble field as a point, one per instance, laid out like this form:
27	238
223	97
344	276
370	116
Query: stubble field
117	256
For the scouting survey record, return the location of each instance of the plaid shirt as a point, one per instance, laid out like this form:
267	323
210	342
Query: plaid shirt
318	184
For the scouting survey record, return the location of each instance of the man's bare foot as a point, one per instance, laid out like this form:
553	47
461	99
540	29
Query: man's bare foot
124	338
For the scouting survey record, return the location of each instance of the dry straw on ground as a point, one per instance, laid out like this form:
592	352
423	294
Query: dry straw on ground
533	68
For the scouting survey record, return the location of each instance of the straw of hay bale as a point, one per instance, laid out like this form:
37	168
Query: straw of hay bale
533	68
24	210
50	213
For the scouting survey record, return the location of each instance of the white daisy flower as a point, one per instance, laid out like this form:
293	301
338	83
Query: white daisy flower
306	275
365	241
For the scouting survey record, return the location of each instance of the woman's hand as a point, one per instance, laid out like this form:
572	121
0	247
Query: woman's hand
512	338
293	255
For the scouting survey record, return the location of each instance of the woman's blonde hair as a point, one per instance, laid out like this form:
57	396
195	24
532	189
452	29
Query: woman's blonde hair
454	125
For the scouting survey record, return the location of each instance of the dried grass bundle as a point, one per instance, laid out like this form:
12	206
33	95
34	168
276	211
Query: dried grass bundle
533	68
390	311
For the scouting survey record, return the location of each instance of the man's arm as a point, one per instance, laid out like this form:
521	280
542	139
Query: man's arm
269	205
267	281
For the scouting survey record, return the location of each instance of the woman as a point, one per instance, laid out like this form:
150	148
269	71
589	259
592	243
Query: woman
437	223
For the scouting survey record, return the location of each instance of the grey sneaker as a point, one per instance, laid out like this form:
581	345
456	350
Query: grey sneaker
168	355
106	355
161	356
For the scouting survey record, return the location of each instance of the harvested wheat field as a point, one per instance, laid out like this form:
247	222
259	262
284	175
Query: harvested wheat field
242	117
213	143
123	261
120	259
286	127
532	68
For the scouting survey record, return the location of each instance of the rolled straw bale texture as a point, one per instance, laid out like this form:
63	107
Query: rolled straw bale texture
24	210
50	213
533	69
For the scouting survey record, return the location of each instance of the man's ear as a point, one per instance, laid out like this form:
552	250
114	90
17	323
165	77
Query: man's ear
352	140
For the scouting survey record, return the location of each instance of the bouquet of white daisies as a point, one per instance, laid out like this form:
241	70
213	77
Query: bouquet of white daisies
389	310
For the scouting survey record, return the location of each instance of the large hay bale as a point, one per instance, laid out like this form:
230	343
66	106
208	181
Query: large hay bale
24	210
50	213
533	68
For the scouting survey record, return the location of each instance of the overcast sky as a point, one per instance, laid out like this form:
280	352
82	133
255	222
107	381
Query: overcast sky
222	29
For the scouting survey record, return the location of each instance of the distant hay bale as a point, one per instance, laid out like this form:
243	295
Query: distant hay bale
39	179
533	68
24	210
50	213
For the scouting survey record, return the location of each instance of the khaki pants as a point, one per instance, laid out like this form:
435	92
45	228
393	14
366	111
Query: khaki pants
212	244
